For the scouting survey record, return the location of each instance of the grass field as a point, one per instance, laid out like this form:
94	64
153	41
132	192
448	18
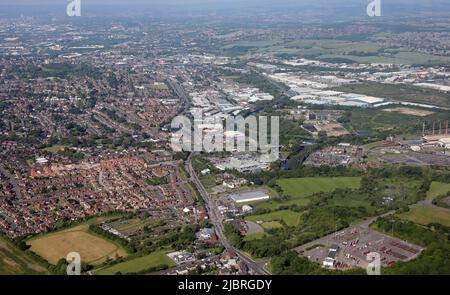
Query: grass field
54	149
271	225
426	215
303	187
138	264
14	261
299	189
437	189
291	218
363	120
92	248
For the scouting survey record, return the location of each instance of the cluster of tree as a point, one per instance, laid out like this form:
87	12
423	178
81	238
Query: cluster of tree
201	271
146	271
178	239
259	81
267	247
113	81
290	263
156	181
61	267
181	156
60	70
439	201
71	154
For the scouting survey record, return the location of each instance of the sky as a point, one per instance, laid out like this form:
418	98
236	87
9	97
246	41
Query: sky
113	6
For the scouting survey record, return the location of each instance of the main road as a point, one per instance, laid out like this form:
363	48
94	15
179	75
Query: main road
216	219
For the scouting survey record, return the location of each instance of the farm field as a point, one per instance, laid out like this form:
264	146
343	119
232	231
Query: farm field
92	248
426	215
437	189
14	262
138	264
291	218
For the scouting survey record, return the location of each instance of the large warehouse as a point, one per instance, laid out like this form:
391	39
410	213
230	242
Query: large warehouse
249	197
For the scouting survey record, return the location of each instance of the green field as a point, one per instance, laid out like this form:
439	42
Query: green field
291	218
158	86
299	189
54	149
138	264
437	189
368	120
271	225
303	187
426	215
208	181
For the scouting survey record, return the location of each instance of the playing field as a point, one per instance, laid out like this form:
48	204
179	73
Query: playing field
426	215
139	264
437	189
290	217
92	249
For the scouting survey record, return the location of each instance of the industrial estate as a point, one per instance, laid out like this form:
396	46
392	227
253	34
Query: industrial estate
87	163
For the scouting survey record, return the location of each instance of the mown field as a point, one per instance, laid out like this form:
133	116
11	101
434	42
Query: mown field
138	264
92	248
437	189
425	215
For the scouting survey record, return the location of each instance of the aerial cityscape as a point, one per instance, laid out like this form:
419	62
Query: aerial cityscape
244	137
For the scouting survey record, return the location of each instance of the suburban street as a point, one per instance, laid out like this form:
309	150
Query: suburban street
216	220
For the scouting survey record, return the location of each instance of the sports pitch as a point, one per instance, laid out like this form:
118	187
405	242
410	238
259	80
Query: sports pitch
92	248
